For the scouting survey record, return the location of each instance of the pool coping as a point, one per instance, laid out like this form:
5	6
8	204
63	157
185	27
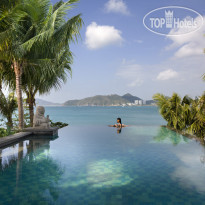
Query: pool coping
52	131
8	140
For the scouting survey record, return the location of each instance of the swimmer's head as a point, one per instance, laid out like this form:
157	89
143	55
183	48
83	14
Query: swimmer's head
119	120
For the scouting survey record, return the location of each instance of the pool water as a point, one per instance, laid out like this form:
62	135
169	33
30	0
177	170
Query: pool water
102	165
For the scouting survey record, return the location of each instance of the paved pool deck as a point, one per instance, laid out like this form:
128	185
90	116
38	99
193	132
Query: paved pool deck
45	132
5	141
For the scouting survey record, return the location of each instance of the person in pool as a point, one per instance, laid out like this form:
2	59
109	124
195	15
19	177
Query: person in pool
119	123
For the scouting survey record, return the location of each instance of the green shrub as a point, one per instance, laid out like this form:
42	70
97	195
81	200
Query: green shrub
58	124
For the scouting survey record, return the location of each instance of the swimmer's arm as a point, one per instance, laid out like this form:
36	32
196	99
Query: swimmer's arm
118	126
125	125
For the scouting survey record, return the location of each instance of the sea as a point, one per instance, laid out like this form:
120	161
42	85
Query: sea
96	115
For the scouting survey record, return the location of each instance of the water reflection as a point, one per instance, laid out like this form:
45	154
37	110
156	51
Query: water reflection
190	172
202	159
166	135
27	169
119	130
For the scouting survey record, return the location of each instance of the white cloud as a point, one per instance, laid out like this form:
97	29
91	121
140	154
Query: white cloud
190	49
117	6
131	73
98	36
191	44
167	74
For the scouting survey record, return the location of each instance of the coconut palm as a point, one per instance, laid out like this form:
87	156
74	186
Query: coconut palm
176	112
187	111
9	53
35	81
7	107
171	109
7	104
163	103
33	27
37	78
198	125
186	114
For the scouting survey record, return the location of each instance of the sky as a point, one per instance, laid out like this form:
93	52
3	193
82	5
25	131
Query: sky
116	54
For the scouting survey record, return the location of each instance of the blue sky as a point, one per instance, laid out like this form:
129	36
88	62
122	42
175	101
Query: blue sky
117	54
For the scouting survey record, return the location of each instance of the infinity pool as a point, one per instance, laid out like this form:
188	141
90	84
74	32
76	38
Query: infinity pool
103	165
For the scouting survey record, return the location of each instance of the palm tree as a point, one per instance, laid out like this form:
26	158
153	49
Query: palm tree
7	107
35	81
9	52
176	112
37	78
163	103
186	114
33	27
171	109
187	111
7	104
198	114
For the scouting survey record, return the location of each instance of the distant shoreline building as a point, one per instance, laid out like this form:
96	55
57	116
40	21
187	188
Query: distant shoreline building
140	102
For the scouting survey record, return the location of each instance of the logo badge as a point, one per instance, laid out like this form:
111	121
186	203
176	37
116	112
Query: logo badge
173	21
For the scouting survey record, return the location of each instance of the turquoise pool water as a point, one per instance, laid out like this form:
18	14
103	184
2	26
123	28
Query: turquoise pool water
86	164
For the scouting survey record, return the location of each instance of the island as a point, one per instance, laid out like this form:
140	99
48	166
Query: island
110	100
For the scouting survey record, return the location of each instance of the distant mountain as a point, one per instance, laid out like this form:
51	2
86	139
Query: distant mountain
130	98
103	100
40	102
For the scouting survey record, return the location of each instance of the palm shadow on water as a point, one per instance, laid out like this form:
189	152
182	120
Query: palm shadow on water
30	178
166	135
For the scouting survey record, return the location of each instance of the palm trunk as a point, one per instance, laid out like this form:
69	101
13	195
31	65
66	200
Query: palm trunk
31	113
10	121
31	101
18	73
9	124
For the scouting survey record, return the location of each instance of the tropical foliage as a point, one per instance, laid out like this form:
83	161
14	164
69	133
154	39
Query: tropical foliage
185	114
34	47
7	107
58	124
